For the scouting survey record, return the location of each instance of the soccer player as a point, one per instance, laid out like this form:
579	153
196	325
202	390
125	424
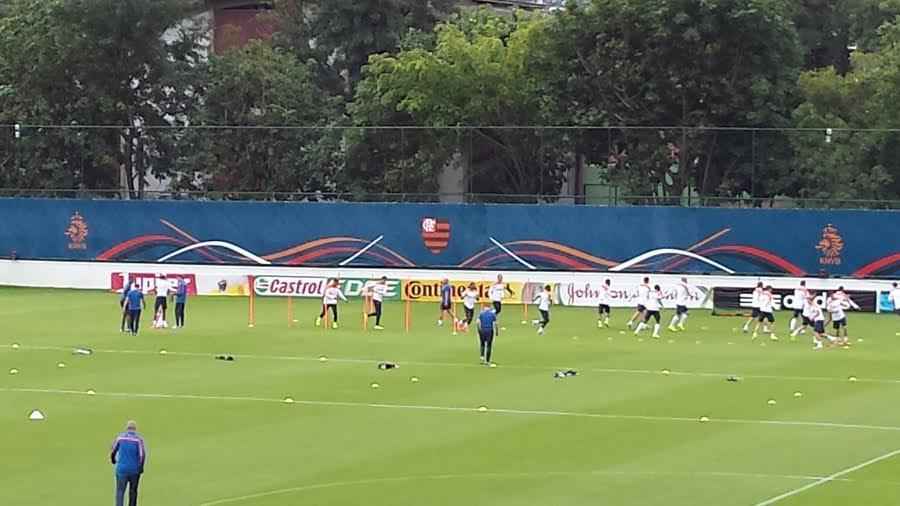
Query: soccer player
162	297
643	293
807	315
543	300
817	316
487	328
848	304
895	298
766	314
496	293
377	292
682	297
603	309
446	302
470	298
181	295
754	305
652	305
134	304
330	302
836	306
801	296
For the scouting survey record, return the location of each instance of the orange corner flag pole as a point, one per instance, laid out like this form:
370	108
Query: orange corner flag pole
365	312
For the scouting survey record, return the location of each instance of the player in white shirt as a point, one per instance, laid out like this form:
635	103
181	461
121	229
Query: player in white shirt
470	298
377	291
849	304
330	302
652	305
754	305
837	306
766	314
801	296
496	293
807	315
162	288
894	297
543	301
605	300
643	293
682	298
818	320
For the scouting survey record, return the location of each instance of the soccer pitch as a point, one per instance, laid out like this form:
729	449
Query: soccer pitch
625	431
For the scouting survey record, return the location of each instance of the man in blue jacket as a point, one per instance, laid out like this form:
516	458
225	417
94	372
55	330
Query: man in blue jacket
128	455
181	295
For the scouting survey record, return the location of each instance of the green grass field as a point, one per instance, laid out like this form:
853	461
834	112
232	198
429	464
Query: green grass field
619	433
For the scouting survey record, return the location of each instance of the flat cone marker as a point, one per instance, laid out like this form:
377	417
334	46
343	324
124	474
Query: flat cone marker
323	358
375	385
704	419
482	408
163	352
15	346
91	392
851	378
798	394
492	365
666	372
36	415
771	402
524	322
288	400
14	371
61	365
414	379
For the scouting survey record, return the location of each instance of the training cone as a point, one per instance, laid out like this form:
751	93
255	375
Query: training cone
288	400
414	379
15	346
36	415
771	402
61	365
14	371
91	392
323	358
375	385
798	394
666	372
482	408
704	419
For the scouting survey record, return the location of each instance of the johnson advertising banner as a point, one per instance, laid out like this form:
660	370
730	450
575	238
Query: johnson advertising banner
587	294
861	244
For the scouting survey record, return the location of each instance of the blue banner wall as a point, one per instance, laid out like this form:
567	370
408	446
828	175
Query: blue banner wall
653	239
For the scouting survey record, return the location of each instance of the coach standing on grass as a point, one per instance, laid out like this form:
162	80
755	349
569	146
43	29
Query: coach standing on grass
181	294
128	455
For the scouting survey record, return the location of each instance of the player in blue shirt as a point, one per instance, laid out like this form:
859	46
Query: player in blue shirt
487	328
446	302
125	289
181	295
129	456
134	303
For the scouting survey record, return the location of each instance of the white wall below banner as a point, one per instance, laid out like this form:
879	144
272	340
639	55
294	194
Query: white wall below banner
97	275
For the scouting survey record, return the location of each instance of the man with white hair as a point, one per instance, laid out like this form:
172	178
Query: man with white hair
129	456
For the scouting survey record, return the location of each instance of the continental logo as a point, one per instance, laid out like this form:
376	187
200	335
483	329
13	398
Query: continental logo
430	291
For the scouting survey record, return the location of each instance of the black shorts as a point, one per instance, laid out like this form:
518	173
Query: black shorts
446	307
755	313
763	316
161	302
641	308
798	312
806	321
604	309
681	309
651	314
839	323
498	306
820	326
470	313
486	335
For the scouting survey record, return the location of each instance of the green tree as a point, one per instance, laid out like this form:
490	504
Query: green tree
338	36
263	126
479	73
92	63
853	150
678	63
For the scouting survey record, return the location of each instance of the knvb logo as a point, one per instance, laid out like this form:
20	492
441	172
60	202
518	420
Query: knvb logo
435	234
830	245
77	232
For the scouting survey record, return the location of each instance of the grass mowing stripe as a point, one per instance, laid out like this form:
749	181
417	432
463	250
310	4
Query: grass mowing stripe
574	414
826	479
544	474
700	374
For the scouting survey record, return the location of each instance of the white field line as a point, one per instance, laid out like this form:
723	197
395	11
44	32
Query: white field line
502	411
348	360
539	474
828	478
